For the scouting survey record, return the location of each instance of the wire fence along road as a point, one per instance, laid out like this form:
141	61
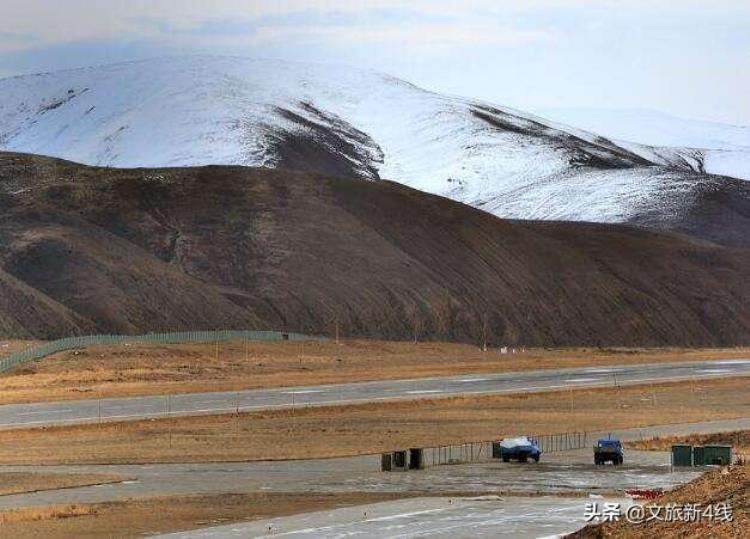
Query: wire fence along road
74	343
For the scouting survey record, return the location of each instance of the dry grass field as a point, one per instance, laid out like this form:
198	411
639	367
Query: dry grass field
319	432
146	516
142	369
8	347
22	482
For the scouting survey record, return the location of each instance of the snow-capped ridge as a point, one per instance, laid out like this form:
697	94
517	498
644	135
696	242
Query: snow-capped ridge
205	110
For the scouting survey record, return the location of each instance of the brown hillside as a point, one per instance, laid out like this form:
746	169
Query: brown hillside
139	250
23	309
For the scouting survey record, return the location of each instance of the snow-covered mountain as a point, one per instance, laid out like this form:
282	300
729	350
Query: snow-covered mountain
725	148
340	120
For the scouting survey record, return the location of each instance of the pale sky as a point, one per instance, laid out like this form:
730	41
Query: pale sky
690	58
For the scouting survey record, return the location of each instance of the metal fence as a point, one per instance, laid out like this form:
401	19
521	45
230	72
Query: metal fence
180	337
457	454
564	441
482	451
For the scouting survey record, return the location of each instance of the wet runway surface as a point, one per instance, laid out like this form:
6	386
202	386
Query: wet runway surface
488	516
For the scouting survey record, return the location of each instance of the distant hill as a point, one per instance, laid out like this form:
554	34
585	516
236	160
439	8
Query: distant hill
341	121
94	249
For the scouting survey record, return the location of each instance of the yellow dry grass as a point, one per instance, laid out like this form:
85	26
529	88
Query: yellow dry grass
374	427
35	514
9	347
141	369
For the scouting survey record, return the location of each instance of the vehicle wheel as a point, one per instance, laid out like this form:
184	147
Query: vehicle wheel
506	459
536	458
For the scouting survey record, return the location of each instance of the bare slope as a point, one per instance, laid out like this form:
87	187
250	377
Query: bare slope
136	250
25	311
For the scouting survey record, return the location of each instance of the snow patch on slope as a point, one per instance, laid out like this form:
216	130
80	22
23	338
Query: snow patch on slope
723	148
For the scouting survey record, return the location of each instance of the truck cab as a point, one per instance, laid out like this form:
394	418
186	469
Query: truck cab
608	450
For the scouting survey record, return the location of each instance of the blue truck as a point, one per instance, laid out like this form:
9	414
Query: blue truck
520	449
608	450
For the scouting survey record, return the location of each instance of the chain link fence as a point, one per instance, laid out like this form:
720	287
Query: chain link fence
180	337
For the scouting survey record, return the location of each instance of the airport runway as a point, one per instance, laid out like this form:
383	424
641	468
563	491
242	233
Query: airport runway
93	410
487	516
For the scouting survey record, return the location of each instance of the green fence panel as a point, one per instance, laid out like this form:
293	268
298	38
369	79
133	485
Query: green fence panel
682	455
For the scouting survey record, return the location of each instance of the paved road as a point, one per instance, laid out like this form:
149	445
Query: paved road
488	516
81	411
